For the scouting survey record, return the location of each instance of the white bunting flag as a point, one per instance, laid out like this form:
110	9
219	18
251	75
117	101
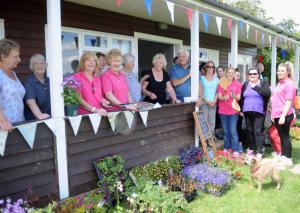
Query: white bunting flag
28	132
247	30
75	123
219	23
112	119
270	40
3	137
144	116
129	118
171	9
157	105
51	124
95	119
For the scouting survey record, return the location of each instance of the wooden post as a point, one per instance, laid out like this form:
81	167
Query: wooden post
273	65
234	45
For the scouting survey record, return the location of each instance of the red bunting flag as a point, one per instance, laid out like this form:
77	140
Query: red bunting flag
118	3
229	24
189	15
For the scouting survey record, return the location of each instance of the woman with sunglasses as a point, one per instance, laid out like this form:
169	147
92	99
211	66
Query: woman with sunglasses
254	101
282	112
210	83
91	96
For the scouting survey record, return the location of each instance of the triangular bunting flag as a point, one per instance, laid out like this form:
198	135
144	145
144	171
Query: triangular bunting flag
75	123
270	40
156	106
28	132
189	15
118	3
205	20
144	116
129	118
275	41
148	4
247	30
242	26
262	40
171	9
51	124
112	119
219	24
229	24
3	137
95	119
256	35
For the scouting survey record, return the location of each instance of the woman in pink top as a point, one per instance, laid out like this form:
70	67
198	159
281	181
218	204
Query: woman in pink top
115	86
228	115
91	88
282	112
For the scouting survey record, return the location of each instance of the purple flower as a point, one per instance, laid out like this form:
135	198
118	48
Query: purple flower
71	82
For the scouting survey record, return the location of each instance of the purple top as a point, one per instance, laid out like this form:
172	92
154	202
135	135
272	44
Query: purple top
253	101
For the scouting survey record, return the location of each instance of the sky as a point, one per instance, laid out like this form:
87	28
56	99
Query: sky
279	10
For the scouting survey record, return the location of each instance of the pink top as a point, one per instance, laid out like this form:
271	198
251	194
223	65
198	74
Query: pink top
284	90
225	106
117	84
90	91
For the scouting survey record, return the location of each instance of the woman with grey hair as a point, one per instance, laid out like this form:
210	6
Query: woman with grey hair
37	90
11	89
133	83
158	81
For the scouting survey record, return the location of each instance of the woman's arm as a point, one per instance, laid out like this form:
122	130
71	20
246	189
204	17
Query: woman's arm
179	81
36	110
4	123
264	89
111	98
286	109
172	93
146	92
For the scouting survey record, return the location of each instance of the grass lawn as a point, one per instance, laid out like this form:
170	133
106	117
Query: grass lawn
242	198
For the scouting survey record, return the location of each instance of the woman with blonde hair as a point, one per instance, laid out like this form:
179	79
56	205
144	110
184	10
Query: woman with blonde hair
229	92
91	97
158	82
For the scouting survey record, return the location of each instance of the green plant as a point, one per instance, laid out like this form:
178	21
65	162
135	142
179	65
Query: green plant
48	209
70	85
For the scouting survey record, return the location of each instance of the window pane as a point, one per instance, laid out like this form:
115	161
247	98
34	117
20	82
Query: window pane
95	41
70	51
124	45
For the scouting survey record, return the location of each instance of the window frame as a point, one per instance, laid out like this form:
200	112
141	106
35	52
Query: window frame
2	29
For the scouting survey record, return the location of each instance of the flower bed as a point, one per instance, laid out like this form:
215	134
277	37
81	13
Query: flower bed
211	180
191	156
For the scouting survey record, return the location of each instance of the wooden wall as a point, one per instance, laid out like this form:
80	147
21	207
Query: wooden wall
25	22
169	128
23	169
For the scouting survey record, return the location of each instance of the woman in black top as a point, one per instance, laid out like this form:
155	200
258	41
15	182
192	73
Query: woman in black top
157	82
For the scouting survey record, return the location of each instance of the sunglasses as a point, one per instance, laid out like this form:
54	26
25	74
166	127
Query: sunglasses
210	67
253	73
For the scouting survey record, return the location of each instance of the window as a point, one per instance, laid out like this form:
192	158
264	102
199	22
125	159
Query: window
75	42
2	32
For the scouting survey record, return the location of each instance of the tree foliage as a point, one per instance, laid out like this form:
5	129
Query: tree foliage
288	25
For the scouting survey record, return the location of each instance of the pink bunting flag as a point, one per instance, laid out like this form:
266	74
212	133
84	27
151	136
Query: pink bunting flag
189	15
118	3
229	24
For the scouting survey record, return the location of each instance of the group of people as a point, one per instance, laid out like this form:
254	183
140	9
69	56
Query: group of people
108	81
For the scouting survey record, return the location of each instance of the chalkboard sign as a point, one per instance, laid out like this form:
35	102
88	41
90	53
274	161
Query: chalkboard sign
204	133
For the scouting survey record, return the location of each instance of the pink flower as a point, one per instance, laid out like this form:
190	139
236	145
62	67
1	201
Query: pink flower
89	206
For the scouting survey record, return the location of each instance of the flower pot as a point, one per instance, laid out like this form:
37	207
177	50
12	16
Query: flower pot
71	110
191	196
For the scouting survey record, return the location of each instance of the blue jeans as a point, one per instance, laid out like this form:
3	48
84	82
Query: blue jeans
231	138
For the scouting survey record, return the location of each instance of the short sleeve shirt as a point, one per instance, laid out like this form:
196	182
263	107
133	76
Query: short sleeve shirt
40	92
225	107
90	91
184	89
284	90
134	87
209	88
116	83
156	87
12	93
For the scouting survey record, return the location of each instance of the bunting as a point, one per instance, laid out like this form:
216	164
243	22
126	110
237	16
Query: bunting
148	4
171	10
219	23
51	124
189	15
256	35
112	119
118	3
3	137
270	40
205	20
242	26
75	123
229	24
262	39
247	30
144	116
95	119
28	132
129	118
156	106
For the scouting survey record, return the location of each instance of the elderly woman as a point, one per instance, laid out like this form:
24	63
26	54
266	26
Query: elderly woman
133	83
91	97
11	89
282	112
158	81
37	90
254	101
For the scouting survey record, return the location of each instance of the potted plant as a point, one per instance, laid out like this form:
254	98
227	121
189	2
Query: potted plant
71	96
